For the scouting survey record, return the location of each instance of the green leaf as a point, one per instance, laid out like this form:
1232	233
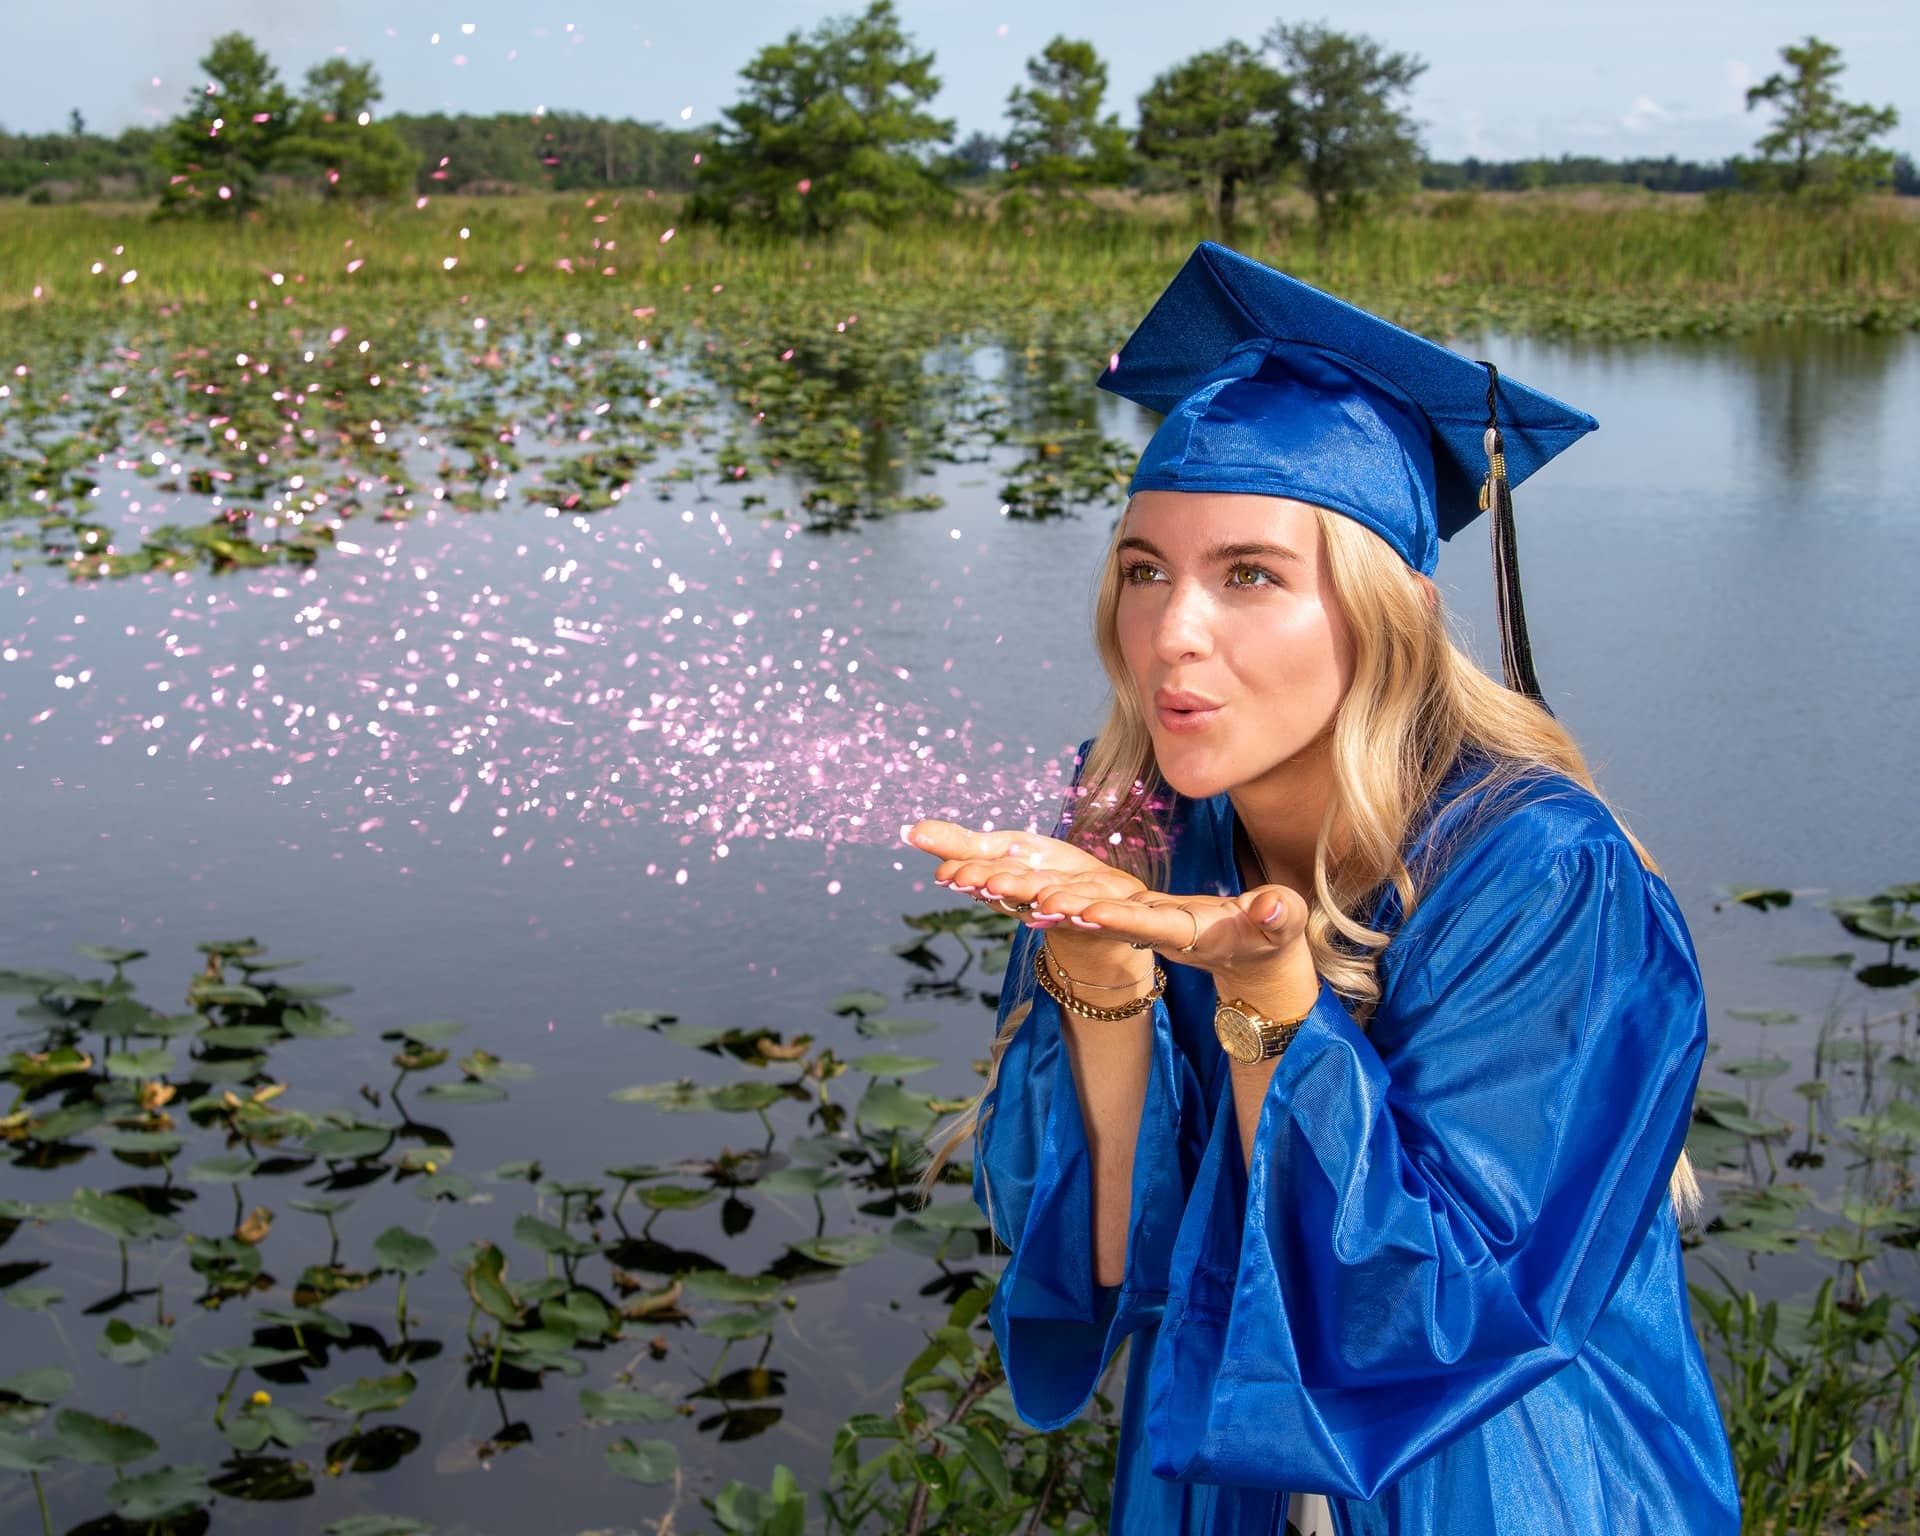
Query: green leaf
651	1461
864	1001
33	1298
625	1407
378	1525
350	1143
230	994
119	1217
745	1098
890	1064
841	1251
157	1062
46	1384
887	1106
242	1037
19	1454
226	1168
108	954
434	1032
161	1495
1756	1067
374	1394
797	1179
676	1197
466	1091
1763	1015
744	1324
100	1442
128	1344
398	1249
639	1018
1816	962
254	1425
681	1095
988	1462
718	1285
246	1357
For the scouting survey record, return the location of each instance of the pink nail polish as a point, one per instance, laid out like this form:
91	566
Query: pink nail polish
1081	922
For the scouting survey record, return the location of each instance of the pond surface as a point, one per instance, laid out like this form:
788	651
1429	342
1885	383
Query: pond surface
524	770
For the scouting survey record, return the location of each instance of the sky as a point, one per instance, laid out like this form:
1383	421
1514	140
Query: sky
1621	79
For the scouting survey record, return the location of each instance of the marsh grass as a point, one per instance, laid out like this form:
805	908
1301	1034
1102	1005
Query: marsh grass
1616	266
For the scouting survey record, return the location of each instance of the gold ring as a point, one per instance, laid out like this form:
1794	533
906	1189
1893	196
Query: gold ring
1187	948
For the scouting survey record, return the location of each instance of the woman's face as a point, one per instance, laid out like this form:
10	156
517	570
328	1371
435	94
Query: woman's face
1234	642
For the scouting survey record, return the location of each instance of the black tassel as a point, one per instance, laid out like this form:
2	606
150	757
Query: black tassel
1496	499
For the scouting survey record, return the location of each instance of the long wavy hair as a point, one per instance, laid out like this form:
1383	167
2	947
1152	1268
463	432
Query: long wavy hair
1415	705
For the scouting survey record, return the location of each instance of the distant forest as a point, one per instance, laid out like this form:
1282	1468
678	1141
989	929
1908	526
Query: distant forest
566	151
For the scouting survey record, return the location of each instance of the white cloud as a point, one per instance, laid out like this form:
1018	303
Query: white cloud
1645	116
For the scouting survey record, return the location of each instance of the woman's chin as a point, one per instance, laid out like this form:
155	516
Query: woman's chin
1191	774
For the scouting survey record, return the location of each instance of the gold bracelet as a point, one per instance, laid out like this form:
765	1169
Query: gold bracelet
1053	963
1072	1004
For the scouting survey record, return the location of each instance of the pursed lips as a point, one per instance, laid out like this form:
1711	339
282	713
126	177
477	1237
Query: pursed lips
1181	711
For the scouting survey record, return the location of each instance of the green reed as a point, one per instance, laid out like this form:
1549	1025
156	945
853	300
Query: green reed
1615	266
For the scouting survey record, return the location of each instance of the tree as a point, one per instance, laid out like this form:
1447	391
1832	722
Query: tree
831	130
76	124
217	151
1818	142
1217	118
335	136
1353	142
1058	138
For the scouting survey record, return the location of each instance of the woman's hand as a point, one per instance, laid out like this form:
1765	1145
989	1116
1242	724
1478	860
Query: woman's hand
1040	880
1254	943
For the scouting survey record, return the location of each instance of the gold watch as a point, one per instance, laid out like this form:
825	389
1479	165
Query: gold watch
1248	1035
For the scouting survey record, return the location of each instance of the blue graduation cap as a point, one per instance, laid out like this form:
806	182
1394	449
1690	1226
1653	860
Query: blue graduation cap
1271	387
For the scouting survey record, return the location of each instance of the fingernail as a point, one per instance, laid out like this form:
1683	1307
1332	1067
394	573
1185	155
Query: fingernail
1044	919
969	889
1274	917
1081	922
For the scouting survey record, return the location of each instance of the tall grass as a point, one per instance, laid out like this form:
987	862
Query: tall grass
1622	265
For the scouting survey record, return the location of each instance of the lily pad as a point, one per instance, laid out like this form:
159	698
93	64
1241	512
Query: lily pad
379	1394
127	1343
651	1461
864	1001
842	1251
101	1442
46	1384
161	1495
403	1251
625	1407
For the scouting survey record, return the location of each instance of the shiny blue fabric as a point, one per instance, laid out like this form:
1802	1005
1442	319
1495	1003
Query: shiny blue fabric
1448	1294
1273	388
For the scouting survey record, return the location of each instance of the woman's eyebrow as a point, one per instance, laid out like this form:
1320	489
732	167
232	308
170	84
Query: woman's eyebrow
1220	553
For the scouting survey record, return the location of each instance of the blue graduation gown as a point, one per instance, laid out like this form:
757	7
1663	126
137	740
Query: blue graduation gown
1448	1292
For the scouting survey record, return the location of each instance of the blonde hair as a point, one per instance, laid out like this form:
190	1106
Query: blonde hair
1415	703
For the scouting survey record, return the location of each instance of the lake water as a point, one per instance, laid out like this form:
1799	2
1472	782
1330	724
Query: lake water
610	806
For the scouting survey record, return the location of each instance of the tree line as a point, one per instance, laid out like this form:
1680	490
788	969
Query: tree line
834	126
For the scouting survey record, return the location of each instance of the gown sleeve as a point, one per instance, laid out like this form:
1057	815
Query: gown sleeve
1434	1213
1033	1176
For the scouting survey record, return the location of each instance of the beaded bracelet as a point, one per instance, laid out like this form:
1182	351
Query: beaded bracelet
1048	984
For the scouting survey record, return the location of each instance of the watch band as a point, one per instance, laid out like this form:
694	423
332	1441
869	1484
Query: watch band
1248	1035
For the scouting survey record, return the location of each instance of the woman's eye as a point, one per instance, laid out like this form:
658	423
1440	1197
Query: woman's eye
1139	573
1248	576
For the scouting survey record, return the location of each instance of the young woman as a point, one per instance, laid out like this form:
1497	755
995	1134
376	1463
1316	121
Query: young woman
1381	1169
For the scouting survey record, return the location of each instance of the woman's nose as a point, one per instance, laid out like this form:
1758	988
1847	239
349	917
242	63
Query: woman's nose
1185	627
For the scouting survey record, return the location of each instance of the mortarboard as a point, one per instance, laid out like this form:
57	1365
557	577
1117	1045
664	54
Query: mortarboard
1271	387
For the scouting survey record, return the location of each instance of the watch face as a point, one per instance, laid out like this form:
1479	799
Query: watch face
1239	1036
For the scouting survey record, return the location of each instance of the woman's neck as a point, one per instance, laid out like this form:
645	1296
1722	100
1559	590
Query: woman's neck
1282	812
